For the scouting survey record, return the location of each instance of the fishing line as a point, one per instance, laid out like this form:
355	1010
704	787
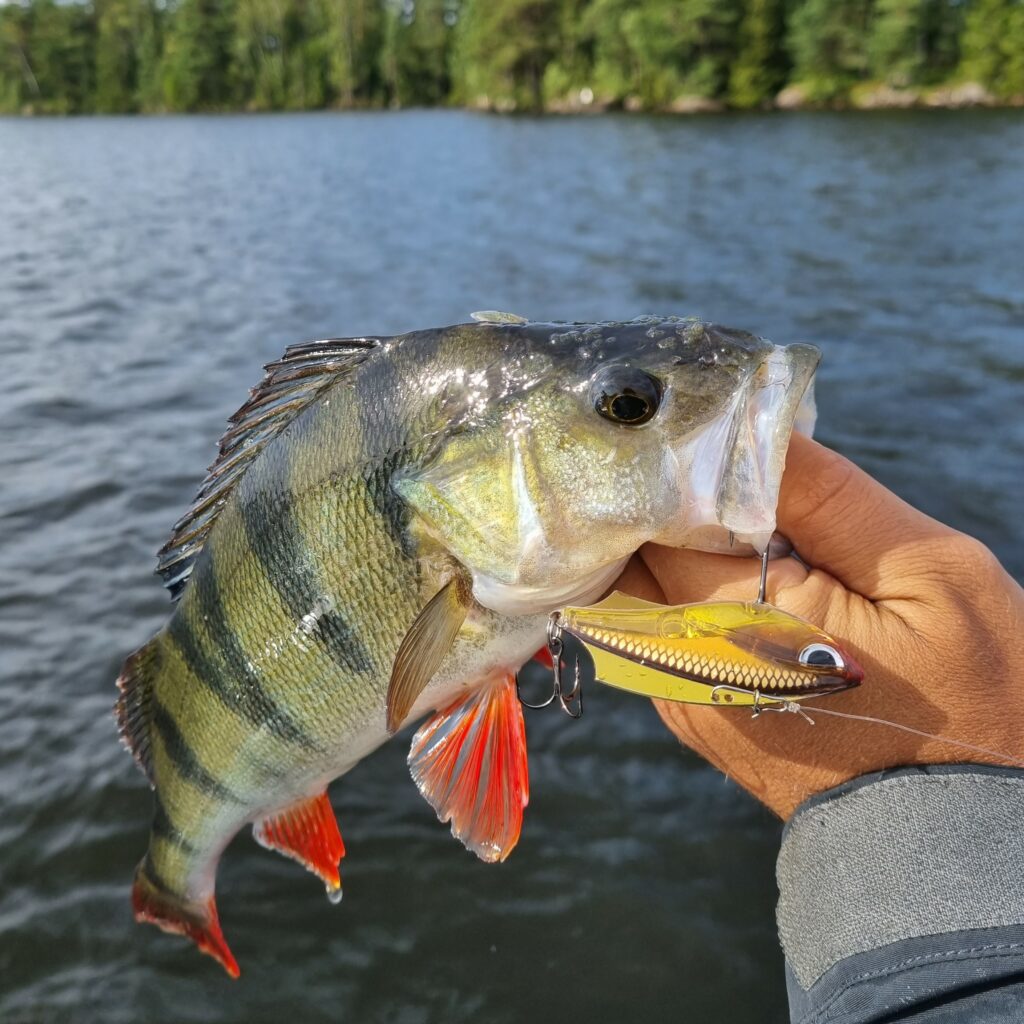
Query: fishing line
791	706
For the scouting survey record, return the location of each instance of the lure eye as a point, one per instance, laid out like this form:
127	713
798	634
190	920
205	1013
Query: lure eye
626	395
821	656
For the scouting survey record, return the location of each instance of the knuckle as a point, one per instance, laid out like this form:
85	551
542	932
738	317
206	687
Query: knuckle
828	496
967	561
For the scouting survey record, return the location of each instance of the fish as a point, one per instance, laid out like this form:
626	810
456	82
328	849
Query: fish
387	525
740	653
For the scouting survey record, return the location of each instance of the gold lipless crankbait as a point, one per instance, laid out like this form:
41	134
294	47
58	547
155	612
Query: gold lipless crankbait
741	653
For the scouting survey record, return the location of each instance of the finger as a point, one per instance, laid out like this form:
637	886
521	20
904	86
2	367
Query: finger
638	580
845	522
686	575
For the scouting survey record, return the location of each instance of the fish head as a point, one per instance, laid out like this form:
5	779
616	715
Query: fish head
587	441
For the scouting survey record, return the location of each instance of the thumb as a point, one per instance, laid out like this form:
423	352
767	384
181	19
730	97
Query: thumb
838	518
843	521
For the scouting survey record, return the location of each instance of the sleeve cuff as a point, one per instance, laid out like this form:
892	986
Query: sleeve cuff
904	871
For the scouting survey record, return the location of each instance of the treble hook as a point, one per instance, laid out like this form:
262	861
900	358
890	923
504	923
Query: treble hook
571	701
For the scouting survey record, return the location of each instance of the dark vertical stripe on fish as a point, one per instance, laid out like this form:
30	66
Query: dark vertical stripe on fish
155	879
286	561
244	694
166	830
378	403
184	758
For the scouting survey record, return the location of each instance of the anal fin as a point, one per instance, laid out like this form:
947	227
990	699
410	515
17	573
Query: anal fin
307	832
469	762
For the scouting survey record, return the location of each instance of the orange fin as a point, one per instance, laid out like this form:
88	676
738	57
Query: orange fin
170	915
469	762
307	832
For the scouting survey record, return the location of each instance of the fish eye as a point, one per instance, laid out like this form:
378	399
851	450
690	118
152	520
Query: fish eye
626	395
821	656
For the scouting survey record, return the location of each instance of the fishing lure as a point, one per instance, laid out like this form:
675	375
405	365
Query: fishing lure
717	653
740	653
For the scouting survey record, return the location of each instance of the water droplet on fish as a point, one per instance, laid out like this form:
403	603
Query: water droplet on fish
334	895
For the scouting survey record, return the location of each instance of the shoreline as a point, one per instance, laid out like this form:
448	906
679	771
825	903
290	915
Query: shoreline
793	98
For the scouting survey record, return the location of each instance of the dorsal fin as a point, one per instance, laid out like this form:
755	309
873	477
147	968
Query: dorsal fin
289	385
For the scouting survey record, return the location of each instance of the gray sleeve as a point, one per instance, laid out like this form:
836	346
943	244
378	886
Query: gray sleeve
901	898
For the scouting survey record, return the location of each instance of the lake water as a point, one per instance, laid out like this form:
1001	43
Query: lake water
149	267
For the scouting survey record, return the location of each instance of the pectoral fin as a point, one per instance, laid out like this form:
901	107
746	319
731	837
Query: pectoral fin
429	639
469	762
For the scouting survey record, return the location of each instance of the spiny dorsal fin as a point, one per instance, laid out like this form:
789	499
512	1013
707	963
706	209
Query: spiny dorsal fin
494	316
289	385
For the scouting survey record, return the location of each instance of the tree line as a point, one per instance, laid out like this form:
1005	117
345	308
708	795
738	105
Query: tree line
118	56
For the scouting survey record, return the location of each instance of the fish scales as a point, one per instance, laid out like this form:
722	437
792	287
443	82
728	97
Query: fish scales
478	452
243	626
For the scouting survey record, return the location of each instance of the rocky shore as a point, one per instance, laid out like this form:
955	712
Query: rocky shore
867	96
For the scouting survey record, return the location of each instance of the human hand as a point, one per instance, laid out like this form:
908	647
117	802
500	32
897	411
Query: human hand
929	613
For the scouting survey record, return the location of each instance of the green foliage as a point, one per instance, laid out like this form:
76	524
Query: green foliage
759	70
502	49
125	35
63	56
47	58
993	46
353	39
1011	82
913	42
416	51
827	41
198	71
18	83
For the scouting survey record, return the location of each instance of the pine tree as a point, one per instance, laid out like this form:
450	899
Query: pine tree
308	68
149	84
502	50
259	44
198	72
354	40
61	53
914	41
19	86
993	46
571	69
1011	83
120	25
759	70
416	49
827	41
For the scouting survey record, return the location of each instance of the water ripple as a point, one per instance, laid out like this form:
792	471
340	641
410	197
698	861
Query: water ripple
149	267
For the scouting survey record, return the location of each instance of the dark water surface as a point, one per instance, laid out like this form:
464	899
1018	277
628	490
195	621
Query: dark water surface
148	268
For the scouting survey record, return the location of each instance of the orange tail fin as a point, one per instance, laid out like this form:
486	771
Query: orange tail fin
151	903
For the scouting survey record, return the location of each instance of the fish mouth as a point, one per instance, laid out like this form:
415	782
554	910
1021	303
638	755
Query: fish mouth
775	395
737	461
